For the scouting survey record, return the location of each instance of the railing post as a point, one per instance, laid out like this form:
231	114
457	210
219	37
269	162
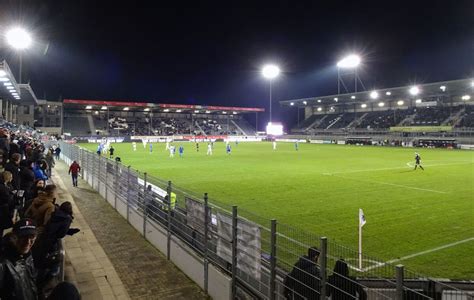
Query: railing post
168	240
145	204
106	179
324	264
234	252
98	176
273	249
400	279
128	194
206	238
116	184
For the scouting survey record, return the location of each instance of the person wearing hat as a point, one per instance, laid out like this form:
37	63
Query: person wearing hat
17	271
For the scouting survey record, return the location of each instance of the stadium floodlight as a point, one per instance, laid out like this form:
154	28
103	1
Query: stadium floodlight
336	99
443	88
466	97
374	95
18	38
224	112
381	104
400	102
292	103
418	101
147	109
320	108
166	110
349	62
353	97
304	102
319	100
388	93
196	111
363	105
234	112
103	108
208	111
96	112
10	88
89	107
3	73
414	90
126	108
270	72
12	91
4	79
7	83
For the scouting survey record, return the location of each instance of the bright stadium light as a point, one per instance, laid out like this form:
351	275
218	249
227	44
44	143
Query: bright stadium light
353	97
414	90
466	97
224	112
208	111
166	110
4	79
363	105
18	38
320	108
3	73
96	112
125	108
336	99
196	111
304	102
443	88
400	102
319	100
147	109
234	112
418	101
292	103
381	104
349	62
388	93
103	108
88	107
374	95
10	88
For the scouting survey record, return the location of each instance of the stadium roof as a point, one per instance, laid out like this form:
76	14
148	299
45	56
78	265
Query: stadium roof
450	89
8	86
155	107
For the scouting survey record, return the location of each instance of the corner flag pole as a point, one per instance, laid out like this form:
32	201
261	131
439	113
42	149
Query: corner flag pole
361	224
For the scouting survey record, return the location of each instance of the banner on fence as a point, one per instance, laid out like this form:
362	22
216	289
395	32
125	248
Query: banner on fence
248	244
195	214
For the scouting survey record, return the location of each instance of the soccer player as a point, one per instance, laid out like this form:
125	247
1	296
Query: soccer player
134	146
197	146
228	149
296	145
111	151
181	150
209	149
418	161
167	145
151	148
274	145
172	149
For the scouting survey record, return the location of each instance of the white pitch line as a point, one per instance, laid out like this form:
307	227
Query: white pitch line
396	168
420	253
393	184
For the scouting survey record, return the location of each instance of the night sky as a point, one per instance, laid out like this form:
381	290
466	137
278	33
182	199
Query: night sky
203	52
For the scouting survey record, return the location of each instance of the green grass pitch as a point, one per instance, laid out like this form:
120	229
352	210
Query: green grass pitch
428	214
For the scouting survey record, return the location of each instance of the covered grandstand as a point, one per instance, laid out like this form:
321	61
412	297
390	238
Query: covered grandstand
435	109
117	118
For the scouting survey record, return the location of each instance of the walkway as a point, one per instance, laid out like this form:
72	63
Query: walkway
144	271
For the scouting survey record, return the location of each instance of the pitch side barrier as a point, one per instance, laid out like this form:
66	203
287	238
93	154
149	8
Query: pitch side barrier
232	253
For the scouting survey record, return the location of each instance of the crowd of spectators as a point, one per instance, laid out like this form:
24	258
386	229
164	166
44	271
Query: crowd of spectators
431	116
32	218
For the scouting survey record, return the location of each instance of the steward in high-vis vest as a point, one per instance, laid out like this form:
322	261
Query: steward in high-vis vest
172	204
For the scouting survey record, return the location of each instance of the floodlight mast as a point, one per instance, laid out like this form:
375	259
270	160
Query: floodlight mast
270	72
20	40
349	63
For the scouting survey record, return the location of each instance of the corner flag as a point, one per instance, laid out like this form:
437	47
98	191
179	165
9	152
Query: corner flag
361	218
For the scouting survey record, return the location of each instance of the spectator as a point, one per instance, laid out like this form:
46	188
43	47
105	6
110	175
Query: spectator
17	272
57	152
64	291
50	162
42	207
39	172
6	202
342	286
303	282
13	166
27	181
74	171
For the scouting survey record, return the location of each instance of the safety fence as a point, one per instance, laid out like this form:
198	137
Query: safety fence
262	258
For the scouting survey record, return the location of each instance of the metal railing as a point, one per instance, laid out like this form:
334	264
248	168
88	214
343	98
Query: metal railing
258	254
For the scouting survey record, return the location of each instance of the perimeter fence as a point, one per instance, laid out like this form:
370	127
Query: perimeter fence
262	258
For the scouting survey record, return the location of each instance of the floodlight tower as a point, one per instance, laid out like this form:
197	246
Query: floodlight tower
19	39
270	72
349	65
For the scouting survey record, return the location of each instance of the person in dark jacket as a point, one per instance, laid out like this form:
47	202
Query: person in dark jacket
303	282
27	181
7	204
342	286
74	170
13	166
17	271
